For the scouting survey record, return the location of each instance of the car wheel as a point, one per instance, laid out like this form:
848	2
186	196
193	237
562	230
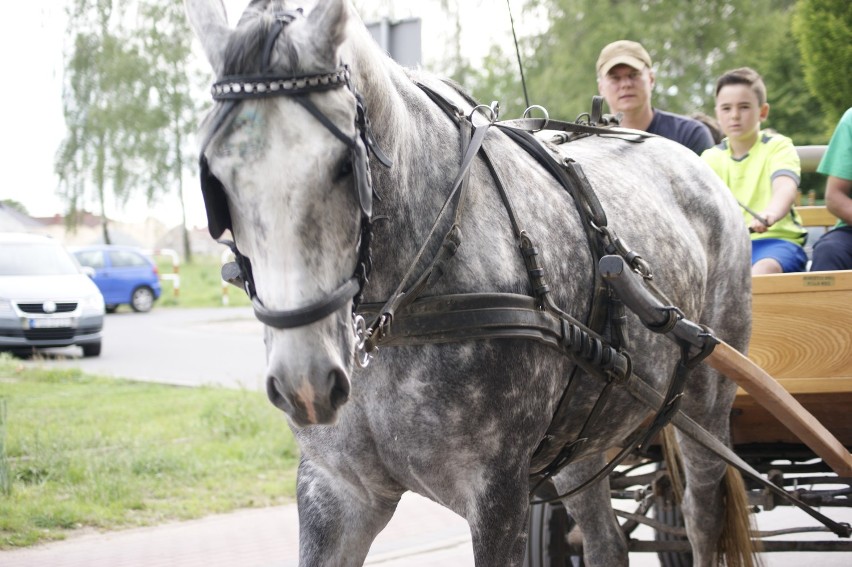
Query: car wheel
142	299
110	308
92	349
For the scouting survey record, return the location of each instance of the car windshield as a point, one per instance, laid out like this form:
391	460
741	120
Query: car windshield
35	259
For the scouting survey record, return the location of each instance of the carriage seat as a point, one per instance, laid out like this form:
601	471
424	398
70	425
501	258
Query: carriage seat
818	220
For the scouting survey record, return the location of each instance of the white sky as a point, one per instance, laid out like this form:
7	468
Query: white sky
31	41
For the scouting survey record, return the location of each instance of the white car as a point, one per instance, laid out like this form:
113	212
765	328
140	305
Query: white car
46	299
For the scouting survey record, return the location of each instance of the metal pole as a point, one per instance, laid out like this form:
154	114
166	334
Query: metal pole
5	477
518	54
384	34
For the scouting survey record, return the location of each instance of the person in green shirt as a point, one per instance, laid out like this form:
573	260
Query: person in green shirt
762	170
834	250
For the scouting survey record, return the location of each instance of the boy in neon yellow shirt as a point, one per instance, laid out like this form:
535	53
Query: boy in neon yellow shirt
762	170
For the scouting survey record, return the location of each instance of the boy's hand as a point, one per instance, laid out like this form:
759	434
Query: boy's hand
760	223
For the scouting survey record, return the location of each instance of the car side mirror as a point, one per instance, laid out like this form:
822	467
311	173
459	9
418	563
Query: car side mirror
89	271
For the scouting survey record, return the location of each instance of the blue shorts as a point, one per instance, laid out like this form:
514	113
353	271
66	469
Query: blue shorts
791	256
833	250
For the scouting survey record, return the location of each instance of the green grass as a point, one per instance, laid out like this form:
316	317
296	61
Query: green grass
200	285
84	451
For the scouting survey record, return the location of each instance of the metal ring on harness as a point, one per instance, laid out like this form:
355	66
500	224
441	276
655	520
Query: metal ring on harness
493	111
546	116
362	357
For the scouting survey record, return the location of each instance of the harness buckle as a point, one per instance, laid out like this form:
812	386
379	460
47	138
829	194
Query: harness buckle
362	357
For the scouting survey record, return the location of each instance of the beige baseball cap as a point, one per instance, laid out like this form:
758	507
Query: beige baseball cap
622	52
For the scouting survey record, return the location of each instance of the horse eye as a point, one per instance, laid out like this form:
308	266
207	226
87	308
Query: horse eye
344	170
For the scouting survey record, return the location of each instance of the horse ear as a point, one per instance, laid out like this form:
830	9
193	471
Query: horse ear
210	24
328	22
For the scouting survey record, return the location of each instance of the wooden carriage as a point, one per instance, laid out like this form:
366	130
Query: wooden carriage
801	336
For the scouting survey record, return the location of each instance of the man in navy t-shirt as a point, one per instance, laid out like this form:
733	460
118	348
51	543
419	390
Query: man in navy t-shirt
626	80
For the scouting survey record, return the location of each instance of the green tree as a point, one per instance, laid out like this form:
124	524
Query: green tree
15	205
498	78
109	112
165	38
823	29
691	42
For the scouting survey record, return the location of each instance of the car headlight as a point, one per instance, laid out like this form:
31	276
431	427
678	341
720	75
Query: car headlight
94	303
5	306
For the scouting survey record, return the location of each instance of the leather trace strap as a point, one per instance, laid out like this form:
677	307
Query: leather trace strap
646	394
409	319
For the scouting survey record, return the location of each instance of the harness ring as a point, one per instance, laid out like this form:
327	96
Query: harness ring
362	357
546	116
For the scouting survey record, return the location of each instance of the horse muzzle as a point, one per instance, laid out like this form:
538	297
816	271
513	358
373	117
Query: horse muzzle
310	401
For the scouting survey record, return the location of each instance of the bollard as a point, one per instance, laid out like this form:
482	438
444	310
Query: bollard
173	277
5	477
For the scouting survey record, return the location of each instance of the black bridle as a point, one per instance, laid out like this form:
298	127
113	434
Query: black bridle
233	89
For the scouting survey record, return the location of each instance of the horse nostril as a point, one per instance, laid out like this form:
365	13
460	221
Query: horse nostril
339	389
277	398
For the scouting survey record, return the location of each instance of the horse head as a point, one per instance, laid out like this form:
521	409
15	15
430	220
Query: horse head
284	168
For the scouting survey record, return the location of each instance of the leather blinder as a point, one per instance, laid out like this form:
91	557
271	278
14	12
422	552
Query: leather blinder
215	200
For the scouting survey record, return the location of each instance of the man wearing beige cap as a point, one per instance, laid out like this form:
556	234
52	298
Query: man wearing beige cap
626	80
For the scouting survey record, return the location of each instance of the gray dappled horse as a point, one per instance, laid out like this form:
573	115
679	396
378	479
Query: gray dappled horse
458	421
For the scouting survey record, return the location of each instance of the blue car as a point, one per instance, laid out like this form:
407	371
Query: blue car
123	274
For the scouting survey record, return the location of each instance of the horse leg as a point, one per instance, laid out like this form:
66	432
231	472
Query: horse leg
702	505
604	543
337	521
710	487
498	525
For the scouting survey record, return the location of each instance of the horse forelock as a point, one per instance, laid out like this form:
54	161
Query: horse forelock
244	53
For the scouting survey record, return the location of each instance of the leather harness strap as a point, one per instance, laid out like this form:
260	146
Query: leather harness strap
423	320
407	319
646	394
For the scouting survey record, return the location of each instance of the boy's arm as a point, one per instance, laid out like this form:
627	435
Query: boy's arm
784	189
838	198
783	162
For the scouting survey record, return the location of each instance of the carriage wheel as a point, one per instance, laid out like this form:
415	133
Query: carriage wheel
549	525
667	511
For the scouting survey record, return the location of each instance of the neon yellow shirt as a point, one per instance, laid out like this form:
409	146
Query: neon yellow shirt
750	179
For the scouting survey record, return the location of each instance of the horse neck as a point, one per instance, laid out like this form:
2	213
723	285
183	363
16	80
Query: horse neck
424	146
388	92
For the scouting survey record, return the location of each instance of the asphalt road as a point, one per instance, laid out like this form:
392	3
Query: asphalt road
224	346
189	347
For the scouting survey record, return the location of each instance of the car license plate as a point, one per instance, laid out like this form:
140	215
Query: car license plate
50	323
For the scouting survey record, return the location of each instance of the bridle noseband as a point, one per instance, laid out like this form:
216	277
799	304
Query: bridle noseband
233	89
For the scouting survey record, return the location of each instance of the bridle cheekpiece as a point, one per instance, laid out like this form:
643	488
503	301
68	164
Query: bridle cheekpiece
233	89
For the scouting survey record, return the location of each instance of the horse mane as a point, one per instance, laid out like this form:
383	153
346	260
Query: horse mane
244	53
374	74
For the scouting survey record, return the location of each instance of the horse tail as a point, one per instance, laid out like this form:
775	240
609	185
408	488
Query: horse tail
674	464
736	545
735	548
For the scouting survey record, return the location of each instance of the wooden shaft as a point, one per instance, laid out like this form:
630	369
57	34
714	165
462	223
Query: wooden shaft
778	401
730	362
